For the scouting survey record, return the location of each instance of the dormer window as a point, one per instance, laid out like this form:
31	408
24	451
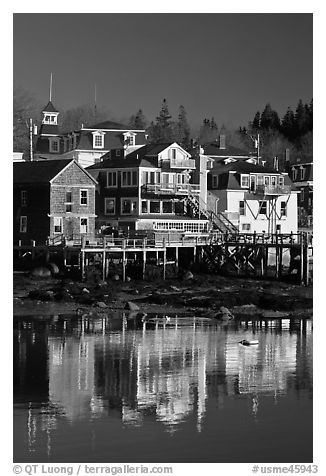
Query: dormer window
302	171
50	118
244	181
129	138
98	140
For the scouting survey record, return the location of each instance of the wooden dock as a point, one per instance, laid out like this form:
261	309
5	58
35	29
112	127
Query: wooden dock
250	254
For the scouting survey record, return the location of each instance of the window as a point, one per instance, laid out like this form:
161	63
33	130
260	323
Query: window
109	206
246	226
57	225
302	195
215	181
281	181
98	141
267	180
252	183
23	224
244	181
111	179
260	180
273	181
294	174
84	197
262	207
283	209
129	178
242	207
83	225
54	145
173	154
167	206
302	172
144	207
181	178
23	198
118	153
128	206
154	206
68	202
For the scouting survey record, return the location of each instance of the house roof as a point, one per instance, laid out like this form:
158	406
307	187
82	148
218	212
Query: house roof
50	108
213	148
145	156
40	171
243	167
110	125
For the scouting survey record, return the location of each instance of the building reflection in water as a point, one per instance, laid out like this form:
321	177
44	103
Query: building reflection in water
163	369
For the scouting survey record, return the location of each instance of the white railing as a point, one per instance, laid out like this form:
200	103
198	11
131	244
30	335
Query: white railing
273	190
182	164
171	188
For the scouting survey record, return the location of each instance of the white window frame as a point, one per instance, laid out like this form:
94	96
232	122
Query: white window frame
267	180
82	198
260	207
242	208
132	181
106	200
98	135
302	172
281	181
114	181
68	203
283	209
23	198
57	223
132	138
80	225
23	224
274	179
160	207
245	178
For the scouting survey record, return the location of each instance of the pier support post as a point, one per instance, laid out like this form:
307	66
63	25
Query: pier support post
302	258
164	258
177	257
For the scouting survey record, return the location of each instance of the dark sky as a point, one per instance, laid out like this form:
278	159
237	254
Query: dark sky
216	64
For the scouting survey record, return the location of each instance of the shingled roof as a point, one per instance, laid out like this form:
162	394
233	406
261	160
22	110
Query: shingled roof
146	156
213	148
110	125
50	108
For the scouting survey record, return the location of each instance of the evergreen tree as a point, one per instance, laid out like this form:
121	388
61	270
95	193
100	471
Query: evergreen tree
288	126
269	119
301	119
214	130
138	121
182	129
256	121
161	131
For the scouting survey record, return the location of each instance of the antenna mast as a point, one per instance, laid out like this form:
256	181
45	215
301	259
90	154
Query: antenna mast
51	87
95	106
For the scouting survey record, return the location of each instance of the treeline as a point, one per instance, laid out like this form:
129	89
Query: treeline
294	125
292	132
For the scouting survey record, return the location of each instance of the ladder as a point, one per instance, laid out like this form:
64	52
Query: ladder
218	220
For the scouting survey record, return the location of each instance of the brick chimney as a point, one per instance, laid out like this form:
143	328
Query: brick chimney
222	141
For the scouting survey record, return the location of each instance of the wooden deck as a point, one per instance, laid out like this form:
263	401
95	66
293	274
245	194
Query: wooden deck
247	254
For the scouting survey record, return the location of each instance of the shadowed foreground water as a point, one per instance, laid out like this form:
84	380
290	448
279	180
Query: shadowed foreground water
168	390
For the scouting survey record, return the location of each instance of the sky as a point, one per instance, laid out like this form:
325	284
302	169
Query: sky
226	66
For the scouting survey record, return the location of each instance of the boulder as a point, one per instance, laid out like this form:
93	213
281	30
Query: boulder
224	314
188	275
41	272
53	268
115	277
131	306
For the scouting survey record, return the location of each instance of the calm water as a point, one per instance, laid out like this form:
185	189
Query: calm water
178	390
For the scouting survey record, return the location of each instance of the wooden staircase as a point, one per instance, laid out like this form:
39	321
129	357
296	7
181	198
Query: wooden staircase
218	220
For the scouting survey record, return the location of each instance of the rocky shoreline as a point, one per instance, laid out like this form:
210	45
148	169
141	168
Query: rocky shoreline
203	295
